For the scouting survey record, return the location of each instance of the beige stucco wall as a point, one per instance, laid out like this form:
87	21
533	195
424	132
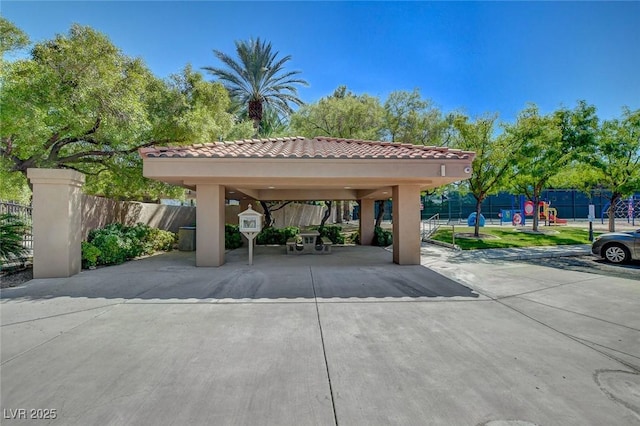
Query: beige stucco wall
98	212
297	214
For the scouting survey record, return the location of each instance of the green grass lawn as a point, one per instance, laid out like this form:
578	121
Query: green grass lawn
507	237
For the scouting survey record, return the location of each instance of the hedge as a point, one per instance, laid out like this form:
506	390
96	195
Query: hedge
117	243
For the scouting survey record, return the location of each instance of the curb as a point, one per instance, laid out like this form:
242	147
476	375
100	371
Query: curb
537	253
442	244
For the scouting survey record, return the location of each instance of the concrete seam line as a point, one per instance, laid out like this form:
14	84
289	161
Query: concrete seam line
635	368
536	291
324	351
589	342
61	334
579	313
60	315
577	340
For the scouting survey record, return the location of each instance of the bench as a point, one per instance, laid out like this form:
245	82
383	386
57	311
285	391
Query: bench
306	244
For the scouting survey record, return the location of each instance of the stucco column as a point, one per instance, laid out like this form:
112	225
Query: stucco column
367	221
57	222
406	225
210	216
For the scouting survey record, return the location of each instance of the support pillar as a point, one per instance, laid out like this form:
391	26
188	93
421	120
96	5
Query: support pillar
57	222
406	224
367	221
210	217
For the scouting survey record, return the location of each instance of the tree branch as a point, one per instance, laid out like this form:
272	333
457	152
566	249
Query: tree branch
79	157
86	172
55	138
281	206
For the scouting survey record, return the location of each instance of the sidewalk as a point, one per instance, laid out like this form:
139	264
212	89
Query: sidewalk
521	253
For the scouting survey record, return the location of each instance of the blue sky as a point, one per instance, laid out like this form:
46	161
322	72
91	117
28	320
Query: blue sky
475	56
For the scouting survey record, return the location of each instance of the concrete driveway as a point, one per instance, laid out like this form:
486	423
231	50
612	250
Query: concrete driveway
348	339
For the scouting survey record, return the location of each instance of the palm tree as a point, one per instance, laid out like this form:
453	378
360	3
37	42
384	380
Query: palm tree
258	79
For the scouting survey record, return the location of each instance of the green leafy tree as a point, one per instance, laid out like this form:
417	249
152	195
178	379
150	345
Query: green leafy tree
79	103
616	164
11	37
492	165
258	79
273	125
547	144
408	118
341	115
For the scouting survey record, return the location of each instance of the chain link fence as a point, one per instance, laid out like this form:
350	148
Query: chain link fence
570	204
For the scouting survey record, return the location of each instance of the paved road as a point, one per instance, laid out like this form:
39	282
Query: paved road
346	339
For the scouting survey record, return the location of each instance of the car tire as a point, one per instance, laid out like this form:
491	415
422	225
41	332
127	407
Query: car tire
616	253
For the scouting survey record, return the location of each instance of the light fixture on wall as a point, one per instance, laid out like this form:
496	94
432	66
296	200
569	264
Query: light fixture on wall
467	169
443	170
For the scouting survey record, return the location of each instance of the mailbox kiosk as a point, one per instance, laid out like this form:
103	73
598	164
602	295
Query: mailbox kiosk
250	224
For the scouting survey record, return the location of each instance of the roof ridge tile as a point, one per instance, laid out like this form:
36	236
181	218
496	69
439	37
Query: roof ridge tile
321	147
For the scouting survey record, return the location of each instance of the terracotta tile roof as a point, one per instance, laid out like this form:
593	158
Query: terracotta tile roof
299	147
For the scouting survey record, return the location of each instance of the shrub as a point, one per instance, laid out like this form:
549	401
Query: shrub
332	232
12	231
382	237
354	238
276	235
90	254
112	246
159	240
232	236
117	243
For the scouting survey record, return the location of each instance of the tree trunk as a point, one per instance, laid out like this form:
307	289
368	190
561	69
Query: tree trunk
536	218
612	211
327	213
339	211
268	219
380	215
476	228
255	114
346	212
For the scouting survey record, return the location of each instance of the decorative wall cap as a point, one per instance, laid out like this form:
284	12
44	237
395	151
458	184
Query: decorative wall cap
55	176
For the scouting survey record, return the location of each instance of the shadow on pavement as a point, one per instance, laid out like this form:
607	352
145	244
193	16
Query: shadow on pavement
349	272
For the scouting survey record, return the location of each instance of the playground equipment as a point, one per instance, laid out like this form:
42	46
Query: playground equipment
513	216
471	220
549	214
545	213
625	208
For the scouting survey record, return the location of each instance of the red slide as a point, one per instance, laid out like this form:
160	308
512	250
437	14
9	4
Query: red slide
554	219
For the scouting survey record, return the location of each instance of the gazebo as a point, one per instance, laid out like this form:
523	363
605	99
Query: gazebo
298	168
